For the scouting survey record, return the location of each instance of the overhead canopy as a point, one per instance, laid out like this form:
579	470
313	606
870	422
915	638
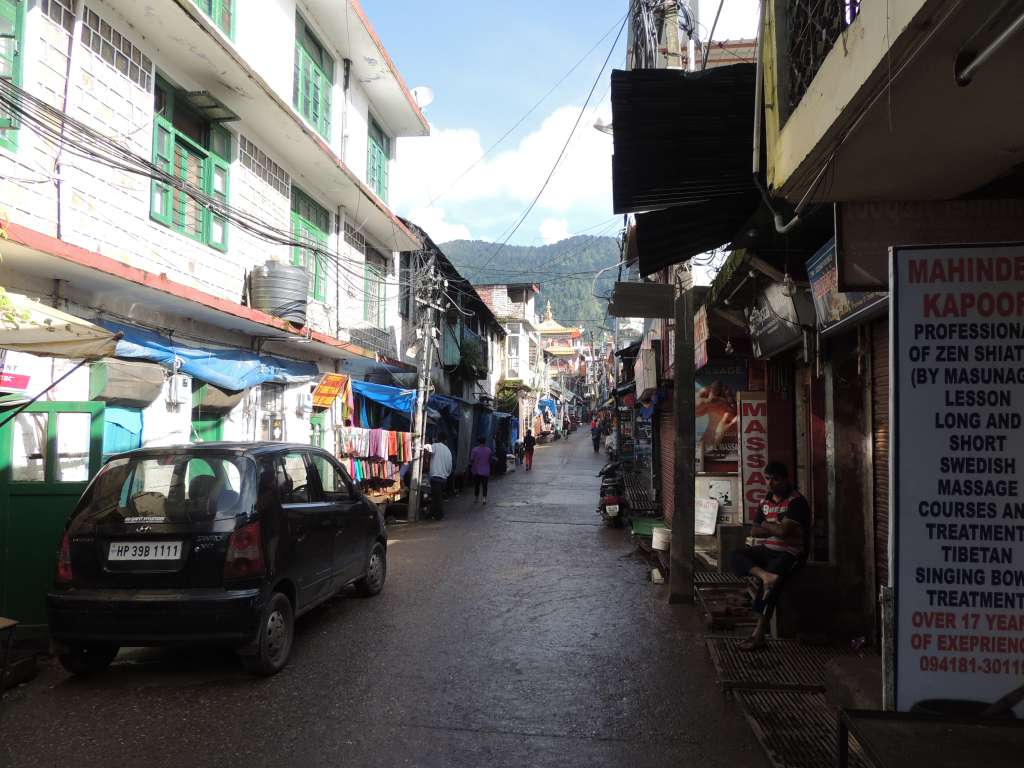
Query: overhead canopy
681	137
392	397
682	150
41	330
225	367
677	234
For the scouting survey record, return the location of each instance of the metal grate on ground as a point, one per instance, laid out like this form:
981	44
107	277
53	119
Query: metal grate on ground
701	578
796	729
782	664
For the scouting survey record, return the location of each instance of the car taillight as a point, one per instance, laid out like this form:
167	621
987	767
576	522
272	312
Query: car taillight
245	553
64	574
611	500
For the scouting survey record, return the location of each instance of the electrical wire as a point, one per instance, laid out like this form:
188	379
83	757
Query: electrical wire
565	146
522	119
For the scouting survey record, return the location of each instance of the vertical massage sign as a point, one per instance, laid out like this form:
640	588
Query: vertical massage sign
958	473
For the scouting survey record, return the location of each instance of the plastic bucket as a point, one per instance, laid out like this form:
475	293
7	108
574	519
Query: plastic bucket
661	539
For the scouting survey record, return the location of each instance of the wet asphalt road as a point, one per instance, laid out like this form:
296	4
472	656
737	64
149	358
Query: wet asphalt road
521	633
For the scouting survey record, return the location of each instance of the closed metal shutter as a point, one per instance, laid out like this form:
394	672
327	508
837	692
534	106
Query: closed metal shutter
667	443
880	444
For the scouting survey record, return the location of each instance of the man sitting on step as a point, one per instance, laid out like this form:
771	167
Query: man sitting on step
784	521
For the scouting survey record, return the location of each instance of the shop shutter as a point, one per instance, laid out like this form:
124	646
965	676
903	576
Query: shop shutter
880	444
667	443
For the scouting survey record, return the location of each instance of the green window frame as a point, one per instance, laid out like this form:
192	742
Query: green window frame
206	167
378	151
12	36
311	225
313	79
221	13
375	290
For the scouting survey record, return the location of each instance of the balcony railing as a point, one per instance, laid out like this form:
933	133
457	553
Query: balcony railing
380	340
813	28
475	349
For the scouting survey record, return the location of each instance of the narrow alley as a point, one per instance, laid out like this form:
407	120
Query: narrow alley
521	633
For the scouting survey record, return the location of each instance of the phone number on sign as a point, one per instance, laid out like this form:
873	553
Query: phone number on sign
968	664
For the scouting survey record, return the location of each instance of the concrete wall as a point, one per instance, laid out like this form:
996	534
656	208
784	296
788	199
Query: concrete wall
107	211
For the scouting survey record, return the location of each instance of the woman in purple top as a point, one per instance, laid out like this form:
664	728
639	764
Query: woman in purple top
480	466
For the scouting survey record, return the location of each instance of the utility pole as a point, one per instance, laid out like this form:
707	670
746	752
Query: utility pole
428	285
670	56
680	578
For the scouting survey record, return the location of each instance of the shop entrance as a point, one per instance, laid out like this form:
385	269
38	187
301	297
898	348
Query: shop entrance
207	429
47	455
316	427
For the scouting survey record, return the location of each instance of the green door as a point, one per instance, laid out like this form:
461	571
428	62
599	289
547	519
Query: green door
47	455
316	428
207	429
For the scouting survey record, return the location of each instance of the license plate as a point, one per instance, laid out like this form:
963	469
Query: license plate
144	550
612	509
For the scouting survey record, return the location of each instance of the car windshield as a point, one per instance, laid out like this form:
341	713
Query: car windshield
176	487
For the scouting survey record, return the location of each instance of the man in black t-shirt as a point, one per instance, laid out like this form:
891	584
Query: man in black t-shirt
784	522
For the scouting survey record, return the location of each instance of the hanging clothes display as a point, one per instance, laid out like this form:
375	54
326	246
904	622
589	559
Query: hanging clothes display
373	457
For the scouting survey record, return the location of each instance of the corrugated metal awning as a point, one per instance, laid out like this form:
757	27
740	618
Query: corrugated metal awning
682	138
676	234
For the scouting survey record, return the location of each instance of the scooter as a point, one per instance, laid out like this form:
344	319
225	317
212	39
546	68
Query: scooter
612	504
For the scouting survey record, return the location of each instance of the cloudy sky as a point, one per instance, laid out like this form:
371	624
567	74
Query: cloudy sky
488	64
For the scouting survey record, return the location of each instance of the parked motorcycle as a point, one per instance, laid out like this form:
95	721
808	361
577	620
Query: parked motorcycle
612	504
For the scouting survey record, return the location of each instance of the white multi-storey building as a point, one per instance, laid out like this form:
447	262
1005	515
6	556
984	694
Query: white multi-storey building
283	116
153	156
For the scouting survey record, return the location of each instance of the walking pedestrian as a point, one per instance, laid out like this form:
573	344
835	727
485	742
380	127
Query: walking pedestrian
528	445
480	459
440	469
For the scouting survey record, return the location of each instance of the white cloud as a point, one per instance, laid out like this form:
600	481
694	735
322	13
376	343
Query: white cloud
432	219
491	196
553	230
738	19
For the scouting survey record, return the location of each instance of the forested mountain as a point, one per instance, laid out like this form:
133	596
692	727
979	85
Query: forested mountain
564	270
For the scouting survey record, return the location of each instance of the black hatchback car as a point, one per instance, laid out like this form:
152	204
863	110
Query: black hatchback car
213	542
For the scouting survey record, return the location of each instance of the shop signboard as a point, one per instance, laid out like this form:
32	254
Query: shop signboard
716	385
753	410
700	338
12	379
957	469
833	308
777	320
865	230
328	389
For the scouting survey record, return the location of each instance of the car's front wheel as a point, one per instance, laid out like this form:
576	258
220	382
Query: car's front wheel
273	644
87	659
376	572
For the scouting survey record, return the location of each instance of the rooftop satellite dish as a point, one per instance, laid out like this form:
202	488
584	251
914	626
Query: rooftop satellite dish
424	96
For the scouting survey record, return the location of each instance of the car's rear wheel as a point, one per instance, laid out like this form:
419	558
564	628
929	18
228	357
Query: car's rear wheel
80	659
376	572
273	644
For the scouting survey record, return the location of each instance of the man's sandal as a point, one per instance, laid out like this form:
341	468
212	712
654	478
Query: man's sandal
752	645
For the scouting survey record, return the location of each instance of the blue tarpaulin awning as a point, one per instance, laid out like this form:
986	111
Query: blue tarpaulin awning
392	397
224	367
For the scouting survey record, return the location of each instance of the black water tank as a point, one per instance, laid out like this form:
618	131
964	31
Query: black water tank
280	290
